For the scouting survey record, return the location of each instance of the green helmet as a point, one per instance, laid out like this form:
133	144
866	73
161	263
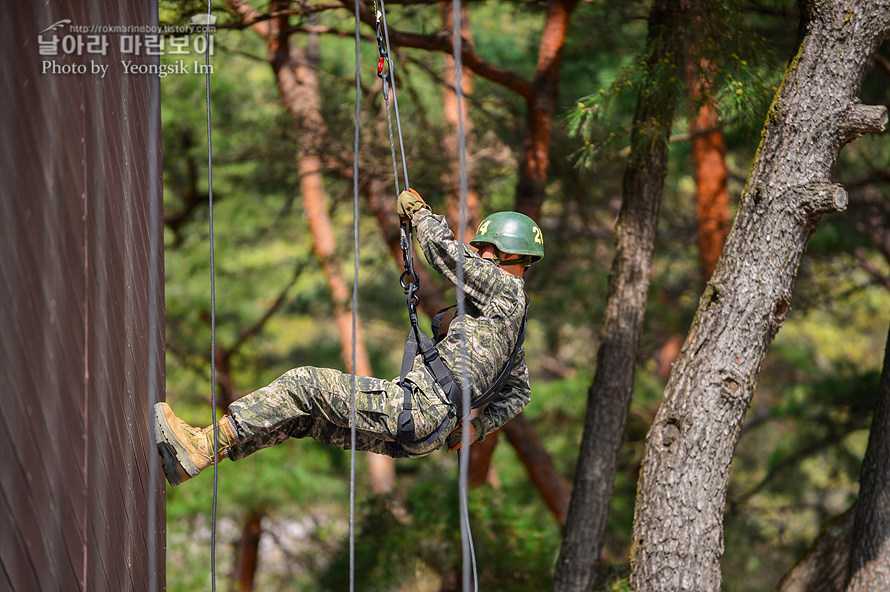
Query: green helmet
512	232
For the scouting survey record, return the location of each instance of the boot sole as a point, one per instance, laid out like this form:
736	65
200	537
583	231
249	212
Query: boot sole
173	454
169	463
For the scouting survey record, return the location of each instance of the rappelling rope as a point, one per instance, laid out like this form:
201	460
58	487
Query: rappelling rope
388	78
410	280
468	554
212	308
352	438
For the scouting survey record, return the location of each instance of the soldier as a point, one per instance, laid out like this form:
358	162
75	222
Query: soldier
482	347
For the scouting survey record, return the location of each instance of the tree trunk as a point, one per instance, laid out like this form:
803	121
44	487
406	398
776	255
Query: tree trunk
678	525
249	551
450	142
226	393
708	157
451	581
535	155
869	567
323	243
295	71
610	393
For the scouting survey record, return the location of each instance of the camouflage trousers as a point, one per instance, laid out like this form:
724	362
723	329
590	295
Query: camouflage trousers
315	402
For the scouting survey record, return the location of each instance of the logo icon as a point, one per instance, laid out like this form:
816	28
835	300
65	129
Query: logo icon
56	26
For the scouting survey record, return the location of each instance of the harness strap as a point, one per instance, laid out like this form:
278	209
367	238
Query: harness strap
419	342
498	384
443	377
437	323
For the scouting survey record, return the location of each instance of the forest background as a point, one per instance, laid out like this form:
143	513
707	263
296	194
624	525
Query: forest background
283	224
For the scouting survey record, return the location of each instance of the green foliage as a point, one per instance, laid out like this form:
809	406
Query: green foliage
505	536
807	426
741	79
290	474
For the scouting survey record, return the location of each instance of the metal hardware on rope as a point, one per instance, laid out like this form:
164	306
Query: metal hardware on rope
384	54
381	14
409	287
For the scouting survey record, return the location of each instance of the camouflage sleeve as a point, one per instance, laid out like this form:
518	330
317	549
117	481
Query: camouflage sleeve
514	397
443	252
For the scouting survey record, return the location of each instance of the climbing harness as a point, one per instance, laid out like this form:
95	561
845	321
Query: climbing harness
419	342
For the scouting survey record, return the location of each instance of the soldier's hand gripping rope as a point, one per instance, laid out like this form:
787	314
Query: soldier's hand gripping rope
409	204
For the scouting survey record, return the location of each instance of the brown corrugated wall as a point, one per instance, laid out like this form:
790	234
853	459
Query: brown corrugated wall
81	350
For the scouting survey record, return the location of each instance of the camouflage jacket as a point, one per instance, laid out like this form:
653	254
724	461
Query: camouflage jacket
480	341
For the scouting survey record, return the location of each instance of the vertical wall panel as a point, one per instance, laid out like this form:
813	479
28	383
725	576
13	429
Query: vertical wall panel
80	155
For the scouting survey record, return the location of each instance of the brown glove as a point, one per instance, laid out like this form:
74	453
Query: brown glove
455	438
409	203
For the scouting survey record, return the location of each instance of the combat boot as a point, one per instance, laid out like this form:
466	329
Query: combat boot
186	450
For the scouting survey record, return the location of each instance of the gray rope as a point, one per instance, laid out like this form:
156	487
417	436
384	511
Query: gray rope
212	309
395	101
153	268
352	436
468	554
392	144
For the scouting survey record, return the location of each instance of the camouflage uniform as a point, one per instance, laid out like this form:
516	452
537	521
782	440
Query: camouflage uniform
315	401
